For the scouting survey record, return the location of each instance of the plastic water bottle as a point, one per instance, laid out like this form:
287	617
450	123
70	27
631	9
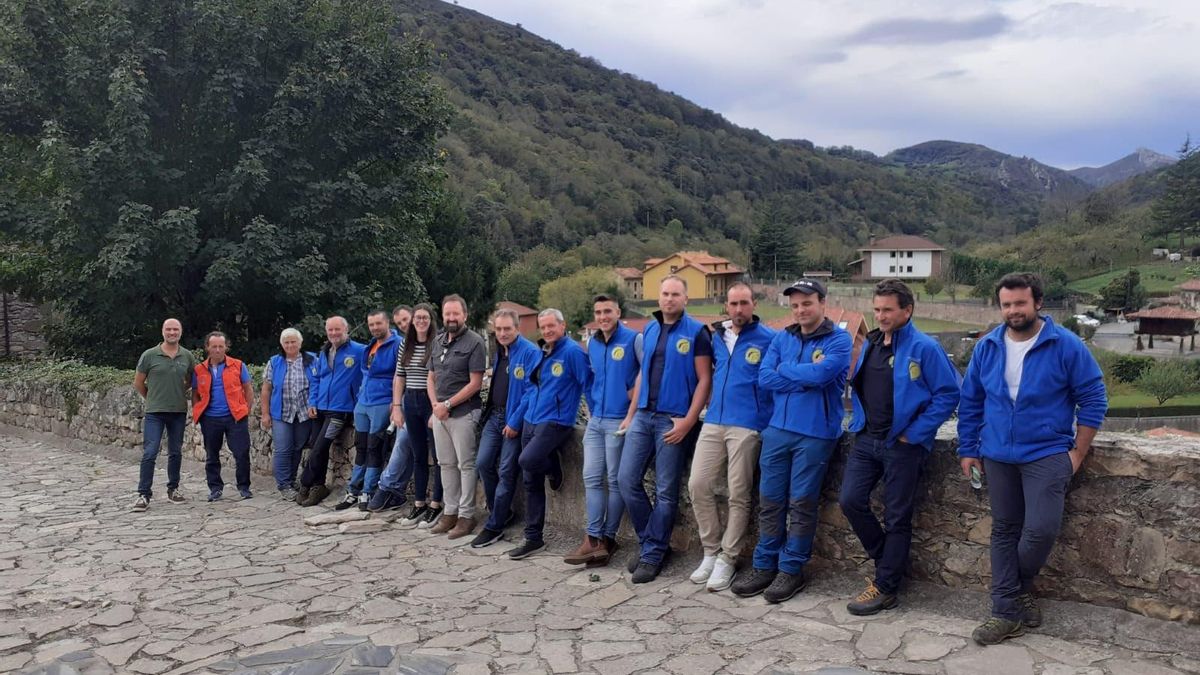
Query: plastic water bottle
976	478
391	427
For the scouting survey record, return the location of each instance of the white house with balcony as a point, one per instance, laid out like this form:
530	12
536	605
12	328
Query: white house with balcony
902	256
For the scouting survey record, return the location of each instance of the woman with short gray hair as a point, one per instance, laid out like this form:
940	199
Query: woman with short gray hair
284	411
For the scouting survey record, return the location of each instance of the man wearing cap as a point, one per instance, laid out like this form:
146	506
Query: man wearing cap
331	400
737	412
805	370
676	377
904	387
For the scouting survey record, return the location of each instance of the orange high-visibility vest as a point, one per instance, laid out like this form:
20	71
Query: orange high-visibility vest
232	379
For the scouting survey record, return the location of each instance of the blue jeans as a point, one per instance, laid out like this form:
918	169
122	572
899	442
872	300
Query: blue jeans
417	411
370	431
152	432
644	445
496	462
792	468
235	434
900	466
287	444
601	463
540	448
1027	510
400	465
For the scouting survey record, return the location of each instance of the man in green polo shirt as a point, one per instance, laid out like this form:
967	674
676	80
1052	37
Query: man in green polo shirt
163	379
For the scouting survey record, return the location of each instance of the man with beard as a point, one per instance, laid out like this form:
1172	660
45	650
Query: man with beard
456	368
372	411
163	376
737	412
1032	401
331	401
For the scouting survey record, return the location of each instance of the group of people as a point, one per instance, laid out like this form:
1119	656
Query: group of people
738	398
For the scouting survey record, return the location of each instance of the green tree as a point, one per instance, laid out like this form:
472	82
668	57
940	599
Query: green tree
1167	379
1177	210
1124	293
933	286
572	295
774	249
519	283
240	165
464	263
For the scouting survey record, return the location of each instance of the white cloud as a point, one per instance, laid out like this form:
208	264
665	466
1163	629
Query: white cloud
882	74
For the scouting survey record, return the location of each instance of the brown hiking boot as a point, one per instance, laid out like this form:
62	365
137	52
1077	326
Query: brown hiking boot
462	528
591	552
316	494
444	524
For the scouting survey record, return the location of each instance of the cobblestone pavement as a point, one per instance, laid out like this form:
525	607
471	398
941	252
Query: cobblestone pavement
88	587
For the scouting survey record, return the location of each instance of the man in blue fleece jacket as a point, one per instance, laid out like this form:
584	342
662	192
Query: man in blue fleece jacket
1032	401
805	370
550	404
904	387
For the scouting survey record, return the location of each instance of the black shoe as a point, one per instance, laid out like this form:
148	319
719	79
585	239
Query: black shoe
752	582
316	495
871	601
525	550
486	537
634	560
175	496
363	500
996	630
432	513
645	573
785	587
302	494
385	500
415	516
1031	614
347	501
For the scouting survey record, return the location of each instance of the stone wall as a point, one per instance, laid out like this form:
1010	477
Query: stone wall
1131	536
20	328
861	300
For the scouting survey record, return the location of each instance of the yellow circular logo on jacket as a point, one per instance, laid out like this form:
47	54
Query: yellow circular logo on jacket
618	353
914	370
753	356
519	372
556	370
817	354
348	362
314	370
683	346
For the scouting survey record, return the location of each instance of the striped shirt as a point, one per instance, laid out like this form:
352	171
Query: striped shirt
416	375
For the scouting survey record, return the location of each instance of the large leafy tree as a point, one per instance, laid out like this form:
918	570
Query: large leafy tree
1177	210
241	164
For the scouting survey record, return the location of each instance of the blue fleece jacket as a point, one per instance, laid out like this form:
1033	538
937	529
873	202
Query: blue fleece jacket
558	382
924	387
279	371
736	399
523	357
336	387
1061	383
807	374
615	366
377	375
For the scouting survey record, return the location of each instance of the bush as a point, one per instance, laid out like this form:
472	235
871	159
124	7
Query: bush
1128	368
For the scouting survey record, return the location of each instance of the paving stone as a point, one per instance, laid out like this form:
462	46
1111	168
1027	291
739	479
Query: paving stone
879	640
594	651
263	634
117	616
559	655
1064	669
921	646
270	614
198	652
149	666
314	667
517	643
904	667
313	651
994	660
370	655
1070	653
689	664
1138	667
119	654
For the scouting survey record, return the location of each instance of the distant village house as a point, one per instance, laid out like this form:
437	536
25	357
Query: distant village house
708	276
902	256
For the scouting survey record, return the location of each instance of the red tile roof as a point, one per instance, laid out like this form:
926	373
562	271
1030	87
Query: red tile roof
1190	285
521	310
1164	313
629	272
903	242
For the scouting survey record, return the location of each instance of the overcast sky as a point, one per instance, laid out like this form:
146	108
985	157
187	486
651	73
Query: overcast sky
1070	84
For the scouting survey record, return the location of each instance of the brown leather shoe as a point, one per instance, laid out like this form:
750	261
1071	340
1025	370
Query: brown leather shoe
591	552
444	524
462	528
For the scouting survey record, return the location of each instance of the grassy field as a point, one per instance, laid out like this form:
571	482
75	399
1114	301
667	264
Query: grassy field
1125	395
1157	277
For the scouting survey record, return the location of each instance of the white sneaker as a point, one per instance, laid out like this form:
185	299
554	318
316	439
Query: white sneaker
721	577
706	567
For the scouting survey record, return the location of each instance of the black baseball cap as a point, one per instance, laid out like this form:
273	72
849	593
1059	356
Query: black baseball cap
807	287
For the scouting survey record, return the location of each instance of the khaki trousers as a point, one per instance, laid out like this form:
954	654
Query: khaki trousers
455	441
718	447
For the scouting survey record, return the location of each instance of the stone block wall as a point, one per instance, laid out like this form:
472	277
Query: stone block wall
21	331
1130	537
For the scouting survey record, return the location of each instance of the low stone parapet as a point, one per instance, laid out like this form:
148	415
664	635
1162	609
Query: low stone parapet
1130	538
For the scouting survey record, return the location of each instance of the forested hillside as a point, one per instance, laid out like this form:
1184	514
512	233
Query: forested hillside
551	148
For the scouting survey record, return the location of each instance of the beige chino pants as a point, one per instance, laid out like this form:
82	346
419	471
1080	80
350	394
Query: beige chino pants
718	447
455	442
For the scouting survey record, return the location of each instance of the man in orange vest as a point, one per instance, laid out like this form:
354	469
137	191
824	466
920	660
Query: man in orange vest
221	399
